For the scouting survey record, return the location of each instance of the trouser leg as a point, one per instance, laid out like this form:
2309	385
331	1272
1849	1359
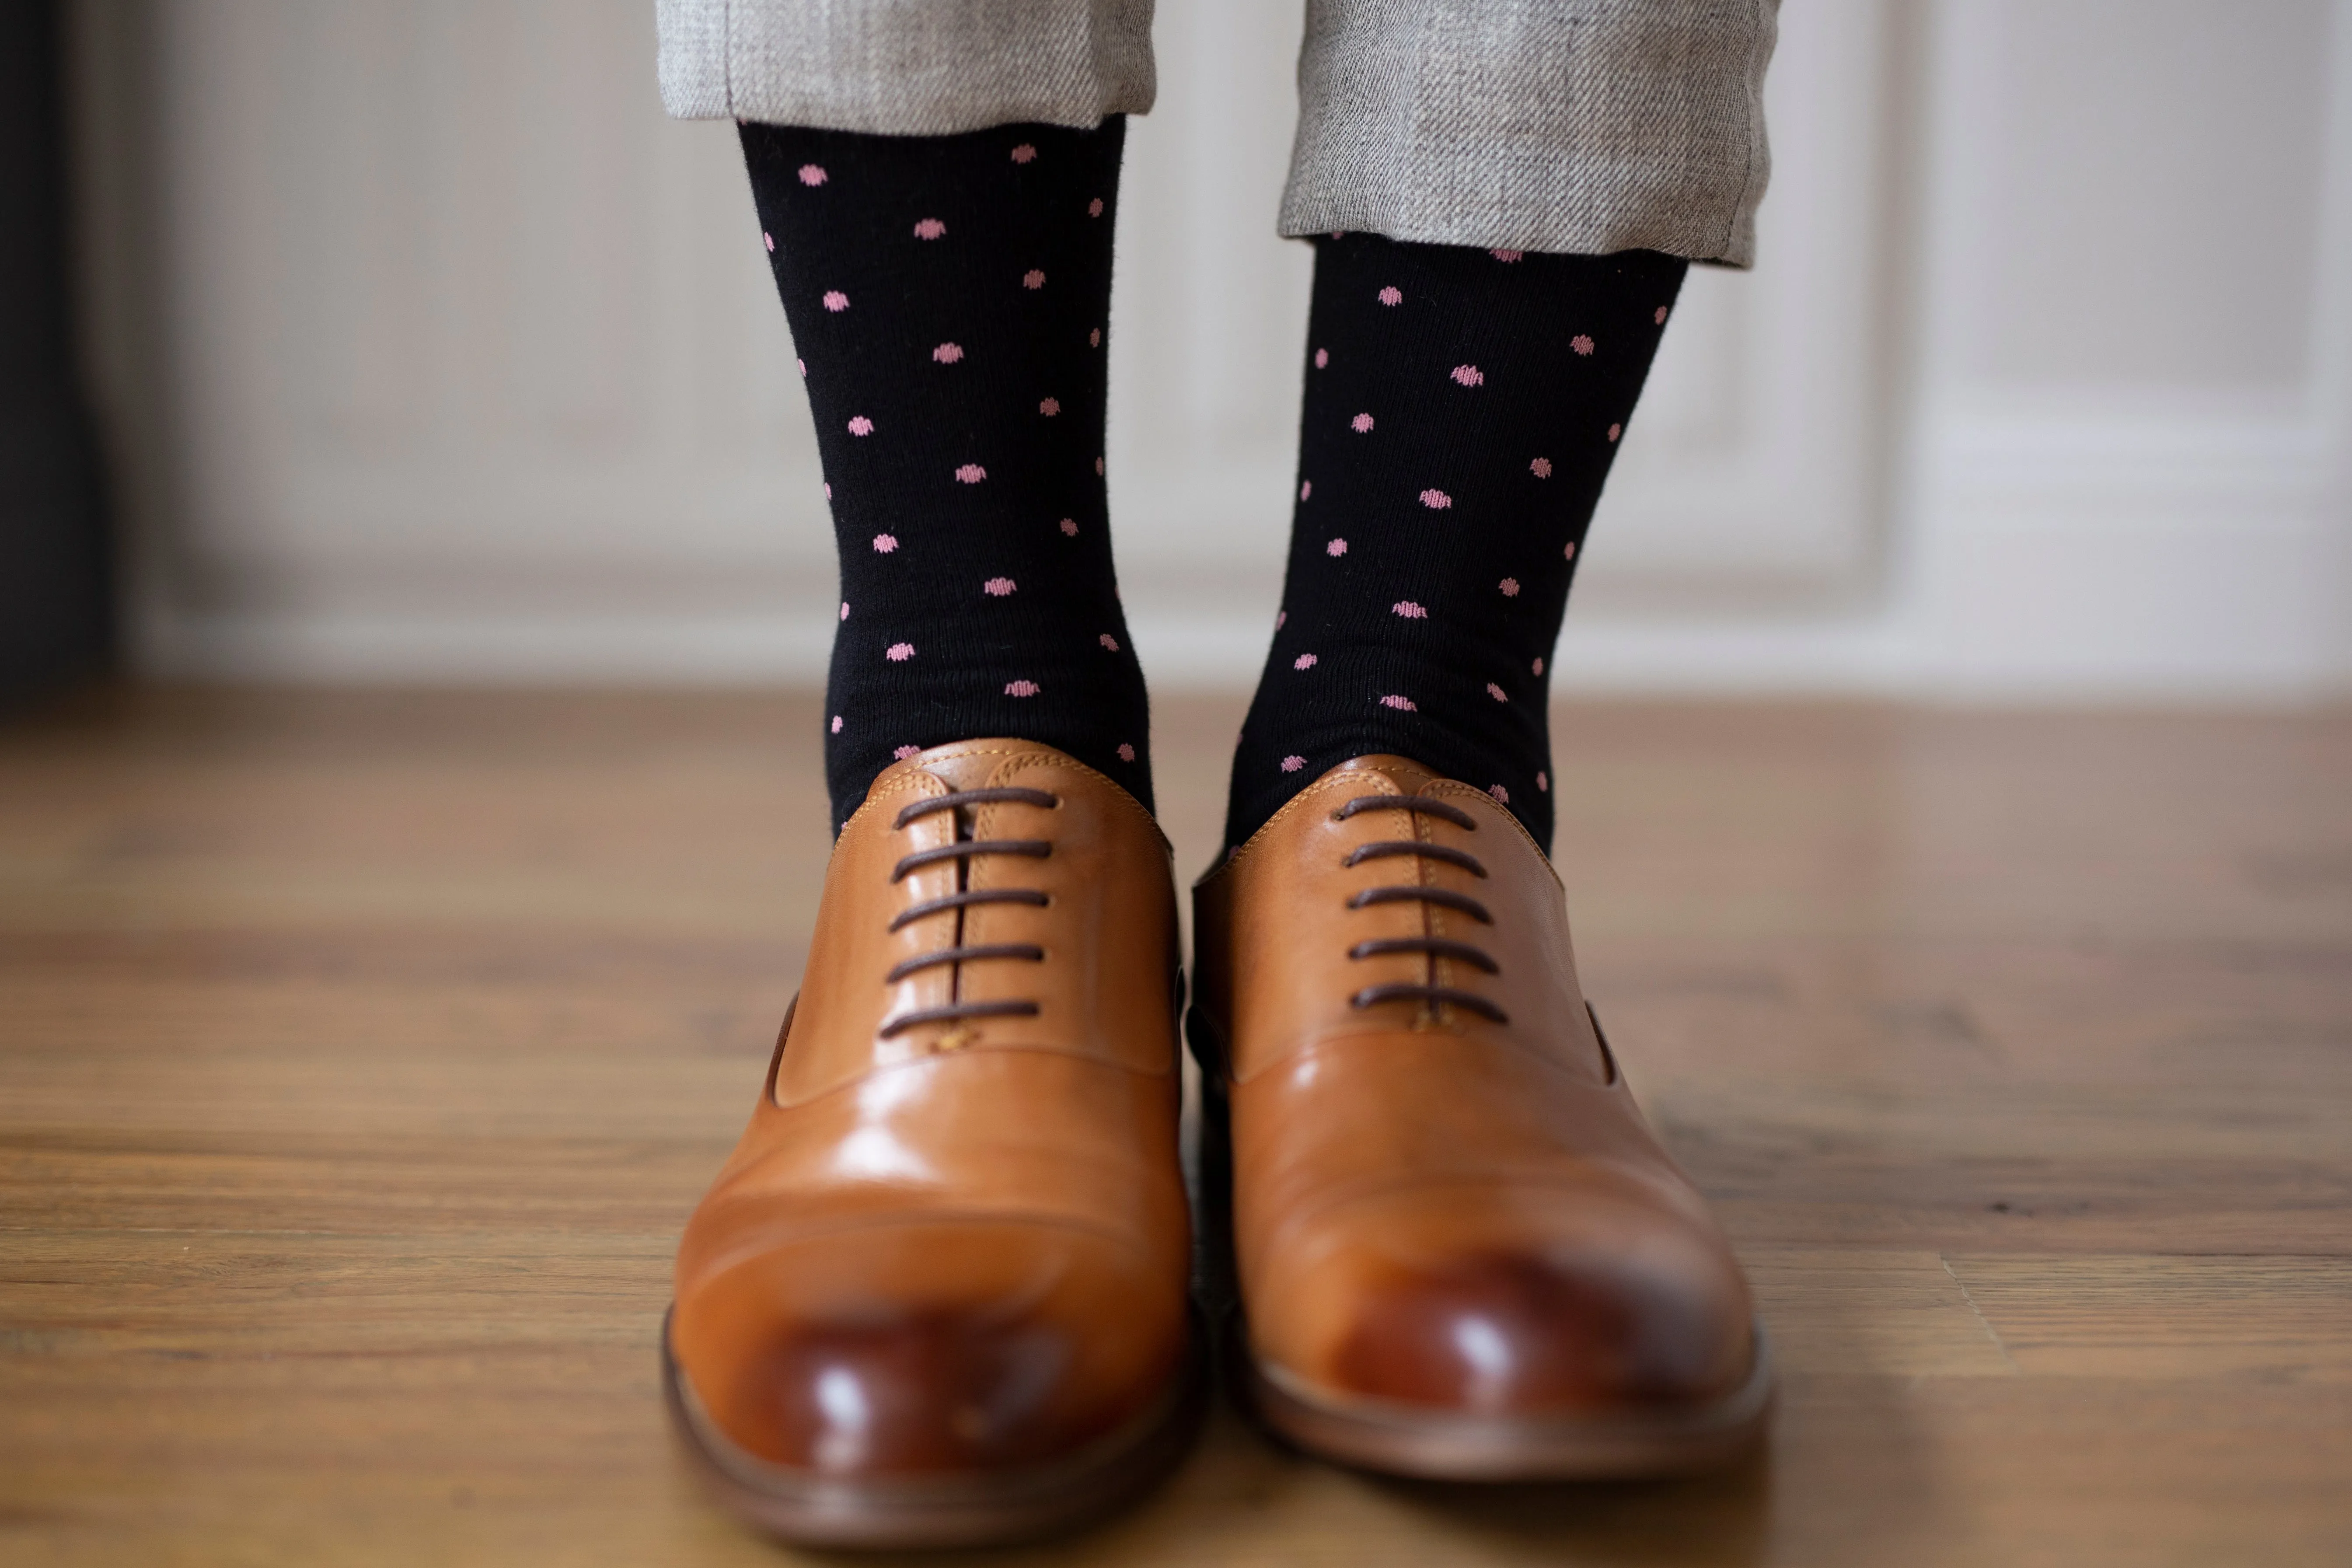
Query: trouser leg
1578	126
906	67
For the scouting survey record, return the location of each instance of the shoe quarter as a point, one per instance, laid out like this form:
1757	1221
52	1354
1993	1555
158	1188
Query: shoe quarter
845	998
1105	988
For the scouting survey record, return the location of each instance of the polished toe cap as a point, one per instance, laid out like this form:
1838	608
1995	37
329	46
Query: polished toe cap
921	1348
1523	1303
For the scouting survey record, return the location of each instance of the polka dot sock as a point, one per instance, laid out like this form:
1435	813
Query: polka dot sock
949	296
1461	408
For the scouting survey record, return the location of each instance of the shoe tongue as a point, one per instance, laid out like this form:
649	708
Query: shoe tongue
968	771
1409	776
964	764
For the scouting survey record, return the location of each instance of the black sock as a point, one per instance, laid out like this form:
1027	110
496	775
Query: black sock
1461	408
949	296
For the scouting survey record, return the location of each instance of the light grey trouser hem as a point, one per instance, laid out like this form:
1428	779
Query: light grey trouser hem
906	67
1582	126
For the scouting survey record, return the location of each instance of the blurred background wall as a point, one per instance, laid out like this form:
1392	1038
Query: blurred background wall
426	348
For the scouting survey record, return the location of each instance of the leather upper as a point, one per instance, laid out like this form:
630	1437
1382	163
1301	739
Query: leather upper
964	1243
1434	1205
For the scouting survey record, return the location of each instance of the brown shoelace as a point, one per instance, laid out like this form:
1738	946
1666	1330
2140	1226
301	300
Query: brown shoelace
1433	947
961	851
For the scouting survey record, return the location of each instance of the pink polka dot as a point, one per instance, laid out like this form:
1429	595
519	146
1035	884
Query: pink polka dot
1469	375
1281	619
811	175
1616	431
1322	358
1093	338
1108	642
828	493
1070	526
1409	610
1293	763
835	300
1436	501
1543	783
1050	407
1540	467
1022	689
948	353
1511	586
1361	424
885	543
1508	255
1568	554
1337	547
1305	489
770	240
1126	753
1032	279
1500	792
1303	662
1094	207
1401	704
1660	317
1581	343
802	365
929	229
844	609
861	426
1497	692
903	753
1099	467
1539	666
971	474
836	723
1392	295
1024	153
997	587
899	652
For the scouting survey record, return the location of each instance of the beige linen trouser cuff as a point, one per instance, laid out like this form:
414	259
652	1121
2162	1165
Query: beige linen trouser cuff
1581	126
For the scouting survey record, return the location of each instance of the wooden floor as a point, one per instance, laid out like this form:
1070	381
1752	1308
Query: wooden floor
360	1056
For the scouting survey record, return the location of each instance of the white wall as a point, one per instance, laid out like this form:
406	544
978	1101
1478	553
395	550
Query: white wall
435	352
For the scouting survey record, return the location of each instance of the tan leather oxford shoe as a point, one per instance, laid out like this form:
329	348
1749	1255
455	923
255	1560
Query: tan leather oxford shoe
1462	1254
938	1294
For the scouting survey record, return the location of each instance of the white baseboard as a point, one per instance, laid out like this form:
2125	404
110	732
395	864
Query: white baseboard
2010	614
2051	559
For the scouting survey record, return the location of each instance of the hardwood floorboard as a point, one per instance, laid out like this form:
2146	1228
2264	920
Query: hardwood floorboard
362	1053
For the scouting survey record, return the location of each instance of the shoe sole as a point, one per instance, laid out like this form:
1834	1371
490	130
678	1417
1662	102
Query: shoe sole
808	1508
1417	1441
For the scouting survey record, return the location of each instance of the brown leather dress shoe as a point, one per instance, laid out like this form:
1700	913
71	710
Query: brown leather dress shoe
1462	1253
939	1294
